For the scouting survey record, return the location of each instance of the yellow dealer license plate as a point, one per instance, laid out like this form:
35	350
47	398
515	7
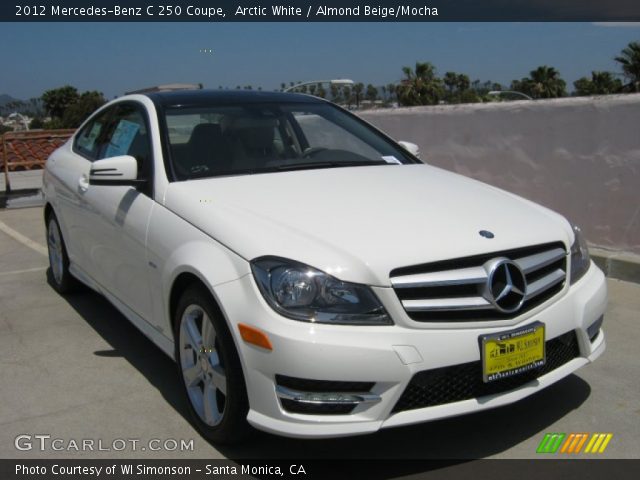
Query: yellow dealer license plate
510	353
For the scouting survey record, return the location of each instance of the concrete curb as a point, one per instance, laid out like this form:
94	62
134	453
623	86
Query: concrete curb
621	265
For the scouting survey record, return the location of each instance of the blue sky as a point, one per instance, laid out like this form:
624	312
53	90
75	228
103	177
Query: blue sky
115	57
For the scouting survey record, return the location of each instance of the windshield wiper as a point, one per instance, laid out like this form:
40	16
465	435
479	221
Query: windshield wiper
313	165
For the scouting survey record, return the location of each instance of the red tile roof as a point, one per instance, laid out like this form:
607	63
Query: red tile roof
29	150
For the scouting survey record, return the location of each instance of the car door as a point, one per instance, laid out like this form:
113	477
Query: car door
70	166
117	216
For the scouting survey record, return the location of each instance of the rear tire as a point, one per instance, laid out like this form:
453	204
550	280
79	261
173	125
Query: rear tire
60	277
209	369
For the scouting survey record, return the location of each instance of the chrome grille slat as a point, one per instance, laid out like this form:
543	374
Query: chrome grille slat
448	277
456	303
456	290
544	283
539	260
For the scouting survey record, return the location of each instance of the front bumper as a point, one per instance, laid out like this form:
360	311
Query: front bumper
388	356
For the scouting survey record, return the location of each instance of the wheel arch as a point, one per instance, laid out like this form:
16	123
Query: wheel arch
181	283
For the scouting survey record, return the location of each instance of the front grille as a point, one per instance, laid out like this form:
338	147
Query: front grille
453	290
463	382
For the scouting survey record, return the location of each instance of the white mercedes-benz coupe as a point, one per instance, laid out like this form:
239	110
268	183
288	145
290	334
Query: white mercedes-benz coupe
310	276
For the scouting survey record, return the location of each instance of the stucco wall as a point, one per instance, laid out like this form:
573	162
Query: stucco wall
578	156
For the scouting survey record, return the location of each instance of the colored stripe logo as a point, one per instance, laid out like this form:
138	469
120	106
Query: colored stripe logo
574	443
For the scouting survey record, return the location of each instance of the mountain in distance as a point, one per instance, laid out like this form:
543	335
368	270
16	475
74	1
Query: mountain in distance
4	99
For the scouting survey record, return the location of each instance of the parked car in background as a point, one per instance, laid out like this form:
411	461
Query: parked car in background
309	276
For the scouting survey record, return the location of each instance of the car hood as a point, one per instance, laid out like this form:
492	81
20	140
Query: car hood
359	223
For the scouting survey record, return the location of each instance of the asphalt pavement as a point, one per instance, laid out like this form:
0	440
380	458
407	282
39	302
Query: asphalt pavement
72	368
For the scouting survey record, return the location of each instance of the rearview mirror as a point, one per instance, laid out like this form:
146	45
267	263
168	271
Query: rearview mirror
412	148
120	170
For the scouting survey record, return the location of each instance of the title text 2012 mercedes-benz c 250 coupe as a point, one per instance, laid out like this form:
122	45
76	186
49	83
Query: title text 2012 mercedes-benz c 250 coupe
310	276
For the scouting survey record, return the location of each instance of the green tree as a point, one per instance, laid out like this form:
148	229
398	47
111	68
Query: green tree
420	86
543	82
450	80
358	88
629	60
348	96
36	123
336	93
371	93
391	90
600	83
79	111
459	88
57	100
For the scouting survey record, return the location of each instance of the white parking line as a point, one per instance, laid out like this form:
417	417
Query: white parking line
27	242
18	272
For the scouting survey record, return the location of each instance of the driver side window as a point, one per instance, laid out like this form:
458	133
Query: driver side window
91	139
127	134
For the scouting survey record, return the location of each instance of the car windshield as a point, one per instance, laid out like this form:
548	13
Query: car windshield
259	138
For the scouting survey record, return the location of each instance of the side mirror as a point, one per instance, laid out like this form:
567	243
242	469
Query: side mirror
412	148
120	170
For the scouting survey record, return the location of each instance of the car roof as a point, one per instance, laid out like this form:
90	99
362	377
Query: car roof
194	98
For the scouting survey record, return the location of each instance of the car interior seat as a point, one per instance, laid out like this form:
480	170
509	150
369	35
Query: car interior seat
208	152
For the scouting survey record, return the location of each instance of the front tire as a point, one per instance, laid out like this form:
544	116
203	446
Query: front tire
209	368
60	276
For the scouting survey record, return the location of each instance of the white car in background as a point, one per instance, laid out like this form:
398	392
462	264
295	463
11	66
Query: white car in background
310	276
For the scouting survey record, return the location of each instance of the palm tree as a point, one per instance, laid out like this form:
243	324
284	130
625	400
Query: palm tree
336	94
358	88
450	80
600	83
629	60
371	93
391	89
543	82
420	86
546	83
346	93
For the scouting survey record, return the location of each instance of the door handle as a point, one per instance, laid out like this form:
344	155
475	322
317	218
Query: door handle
83	183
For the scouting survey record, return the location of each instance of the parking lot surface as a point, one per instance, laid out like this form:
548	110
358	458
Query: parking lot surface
73	368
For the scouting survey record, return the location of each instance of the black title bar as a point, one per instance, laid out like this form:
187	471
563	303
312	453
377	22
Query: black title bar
320	11
300	469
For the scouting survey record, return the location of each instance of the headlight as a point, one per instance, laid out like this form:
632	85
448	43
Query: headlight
303	293
580	260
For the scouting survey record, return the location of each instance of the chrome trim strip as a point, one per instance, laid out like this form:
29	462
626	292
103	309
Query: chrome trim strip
454	303
298	396
542	284
461	276
539	260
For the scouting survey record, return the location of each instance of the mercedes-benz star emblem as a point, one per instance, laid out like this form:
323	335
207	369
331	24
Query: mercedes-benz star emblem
506	285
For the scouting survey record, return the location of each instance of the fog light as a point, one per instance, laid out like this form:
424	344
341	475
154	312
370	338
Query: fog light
334	398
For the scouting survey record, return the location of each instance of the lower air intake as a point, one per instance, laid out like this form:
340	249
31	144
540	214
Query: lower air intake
463	382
